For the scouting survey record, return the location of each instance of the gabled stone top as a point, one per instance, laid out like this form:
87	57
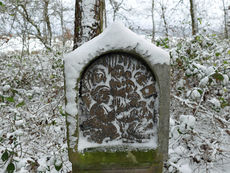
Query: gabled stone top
116	37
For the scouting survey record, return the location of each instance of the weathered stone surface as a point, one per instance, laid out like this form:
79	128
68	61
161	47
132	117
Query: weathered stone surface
111	99
117	96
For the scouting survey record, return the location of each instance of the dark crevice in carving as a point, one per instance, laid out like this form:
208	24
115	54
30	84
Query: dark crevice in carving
117	100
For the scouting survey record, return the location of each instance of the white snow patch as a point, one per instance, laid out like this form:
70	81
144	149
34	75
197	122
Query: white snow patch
42	163
180	83
84	144
19	123
21	162
226	79
174	133
200	67
15	44
185	168
6	87
209	70
215	102
189	120
179	150
194	94
20	100
204	81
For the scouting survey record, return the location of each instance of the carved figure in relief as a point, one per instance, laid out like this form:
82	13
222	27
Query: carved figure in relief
99	124
117	100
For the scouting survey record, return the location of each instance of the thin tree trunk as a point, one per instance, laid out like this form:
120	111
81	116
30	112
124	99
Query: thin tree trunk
89	16
62	24
25	15
153	22
228	21
164	20
193	17
225	20
47	21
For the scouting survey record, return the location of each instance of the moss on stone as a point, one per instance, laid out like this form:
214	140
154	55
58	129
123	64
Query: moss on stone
98	160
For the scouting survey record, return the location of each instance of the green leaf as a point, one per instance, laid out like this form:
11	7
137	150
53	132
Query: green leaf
58	167
178	130
1	3
218	76
10	99
1	98
210	80
51	76
20	104
5	156
61	111
200	91
229	52
217	54
10	168
14	91
200	20
197	38
54	122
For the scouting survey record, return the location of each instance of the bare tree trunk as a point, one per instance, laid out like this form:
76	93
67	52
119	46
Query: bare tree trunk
47	21
228	20
225	20
116	6
24	13
193	17
24	37
153	22
163	9
89	16
62	23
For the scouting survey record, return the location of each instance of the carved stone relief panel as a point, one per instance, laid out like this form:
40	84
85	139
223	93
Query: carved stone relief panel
118	100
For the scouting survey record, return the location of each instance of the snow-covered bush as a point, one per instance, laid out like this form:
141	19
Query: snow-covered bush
200	104
32	128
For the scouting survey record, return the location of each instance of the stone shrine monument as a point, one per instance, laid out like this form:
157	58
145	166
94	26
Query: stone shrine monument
117	89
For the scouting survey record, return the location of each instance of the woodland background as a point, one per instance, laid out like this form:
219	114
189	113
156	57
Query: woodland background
34	36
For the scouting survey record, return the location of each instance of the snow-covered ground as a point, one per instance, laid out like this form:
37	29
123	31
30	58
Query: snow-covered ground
12	44
33	131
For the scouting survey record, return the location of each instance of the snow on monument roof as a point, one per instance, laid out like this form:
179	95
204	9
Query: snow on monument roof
117	37
114	38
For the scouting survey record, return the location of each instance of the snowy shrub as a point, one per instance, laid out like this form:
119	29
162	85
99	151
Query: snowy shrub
200	104
32	130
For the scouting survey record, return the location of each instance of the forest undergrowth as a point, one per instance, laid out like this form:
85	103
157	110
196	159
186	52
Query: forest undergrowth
32	115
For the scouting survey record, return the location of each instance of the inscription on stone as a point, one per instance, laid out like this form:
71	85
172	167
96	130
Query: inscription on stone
118	98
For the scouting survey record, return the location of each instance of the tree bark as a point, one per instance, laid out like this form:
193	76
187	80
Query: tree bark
47	22
116	7
89	19
193	17
228	23
226	20
24	13
62	23
163	9
153	23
